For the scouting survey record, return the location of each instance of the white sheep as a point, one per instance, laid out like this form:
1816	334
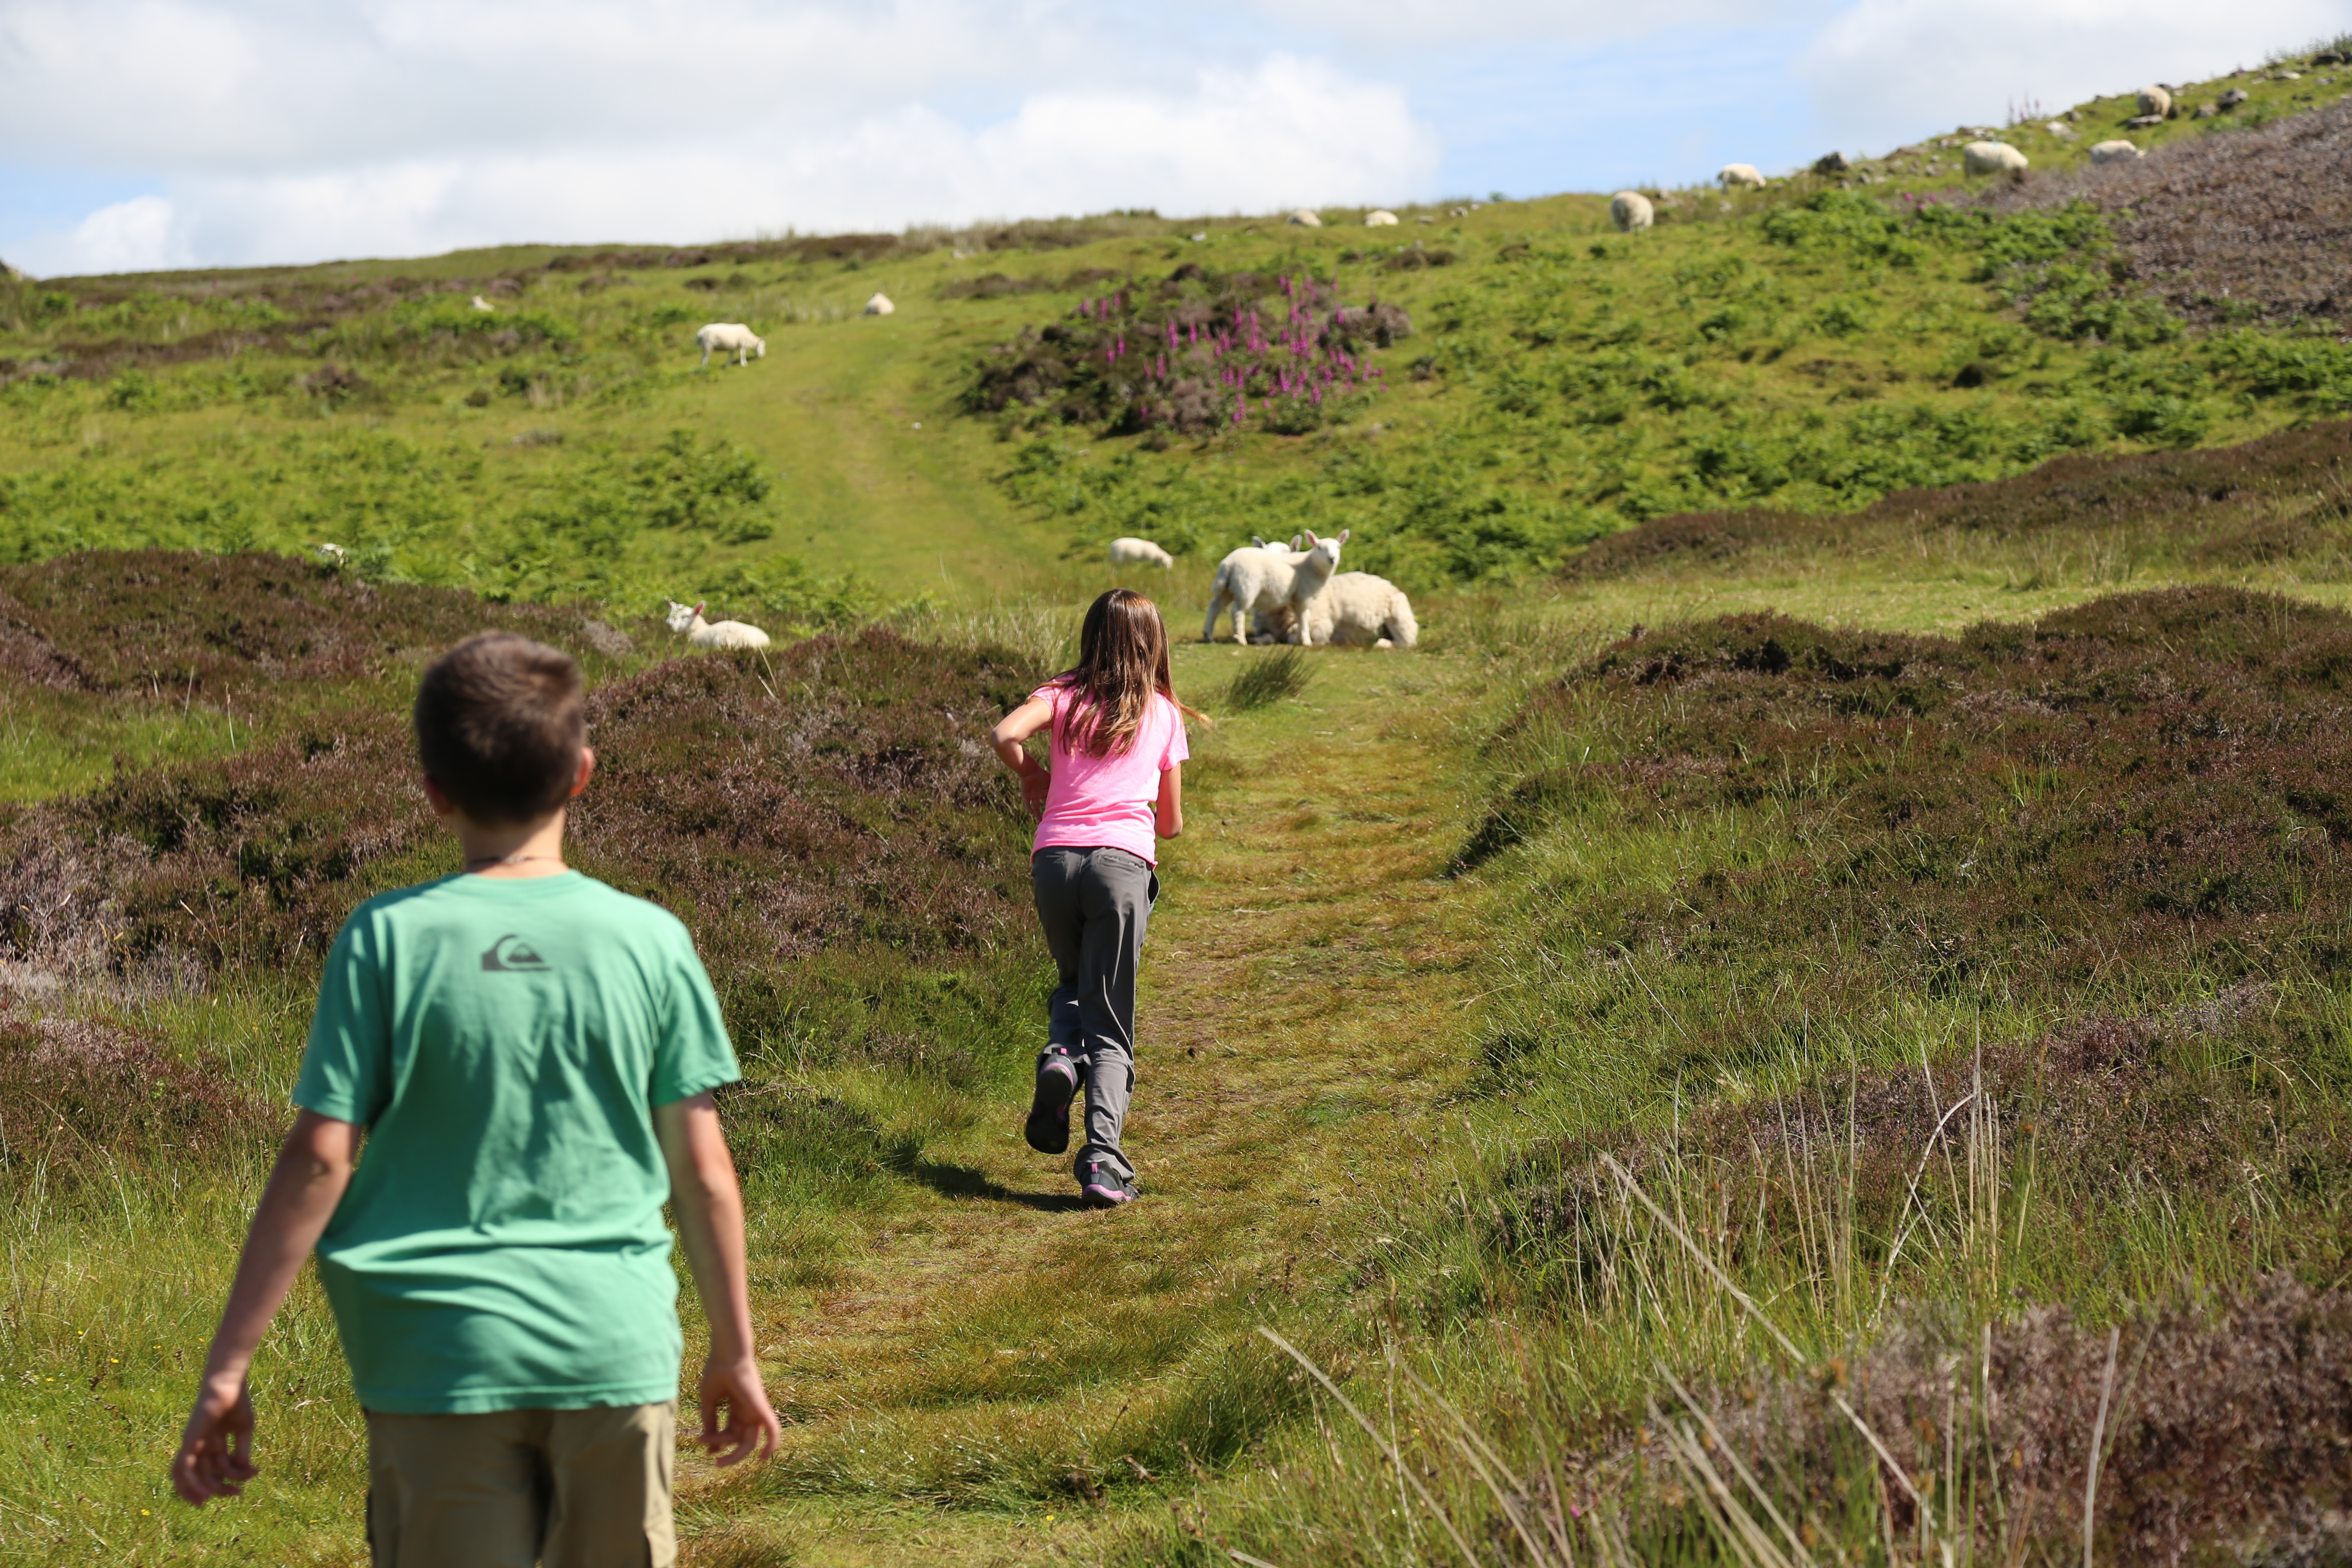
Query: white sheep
1253	580
2114	151
1307	218
725	337
687	619
1310	577
1356	609
1379	217
1992	158
1630	212
1746	174
881	305
332	554
483	305
1138	552
2157	101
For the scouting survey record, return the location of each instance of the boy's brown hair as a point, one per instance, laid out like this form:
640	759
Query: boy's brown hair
500	721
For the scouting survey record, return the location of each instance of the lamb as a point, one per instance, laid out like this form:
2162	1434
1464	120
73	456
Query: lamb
881	305
1356	608
1379	218
2157	101
1138	552
1253	580
1746	174
725	338
1310	577
1631	211
687	619
483	305
2114	151
1992	158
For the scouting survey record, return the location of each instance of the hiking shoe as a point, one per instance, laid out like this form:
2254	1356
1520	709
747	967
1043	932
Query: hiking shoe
1048	1127
1104	1188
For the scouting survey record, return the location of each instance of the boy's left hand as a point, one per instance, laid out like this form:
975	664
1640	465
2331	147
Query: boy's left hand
751	1420
215	1456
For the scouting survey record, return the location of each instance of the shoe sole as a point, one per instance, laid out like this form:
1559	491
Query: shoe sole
1105	1197
1048	1127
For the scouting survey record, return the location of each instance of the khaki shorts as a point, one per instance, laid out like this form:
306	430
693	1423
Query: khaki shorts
511	1488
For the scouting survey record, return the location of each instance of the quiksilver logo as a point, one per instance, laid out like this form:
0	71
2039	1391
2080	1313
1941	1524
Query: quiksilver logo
511	952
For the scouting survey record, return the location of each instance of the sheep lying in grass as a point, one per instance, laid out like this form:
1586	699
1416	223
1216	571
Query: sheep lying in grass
881	305
1252	581
687	619
730	338
1133	551
1356	609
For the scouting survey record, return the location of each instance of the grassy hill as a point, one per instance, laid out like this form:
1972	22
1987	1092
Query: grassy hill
1811	1007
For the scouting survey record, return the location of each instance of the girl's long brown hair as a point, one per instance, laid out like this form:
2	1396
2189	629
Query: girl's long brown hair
1122	663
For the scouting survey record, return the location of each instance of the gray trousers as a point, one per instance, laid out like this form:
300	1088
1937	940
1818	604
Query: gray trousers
1095	904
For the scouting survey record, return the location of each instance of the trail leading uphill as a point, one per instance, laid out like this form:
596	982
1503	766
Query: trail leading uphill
989	1381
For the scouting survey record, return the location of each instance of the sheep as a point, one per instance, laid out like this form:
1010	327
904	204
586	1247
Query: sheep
1253	580
881	305
1630	212
725	338
1140	553
1307	218
2157	101
483	305
1746	174
1992	158
1356	609
1379	218
1308	578
332	554
687	619
2114	151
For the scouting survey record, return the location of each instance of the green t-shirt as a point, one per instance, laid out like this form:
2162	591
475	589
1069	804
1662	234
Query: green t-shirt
504	1042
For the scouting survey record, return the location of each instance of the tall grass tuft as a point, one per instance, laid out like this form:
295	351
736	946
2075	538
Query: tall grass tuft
1265	681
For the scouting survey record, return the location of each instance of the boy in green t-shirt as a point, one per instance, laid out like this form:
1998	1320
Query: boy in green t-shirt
530	1055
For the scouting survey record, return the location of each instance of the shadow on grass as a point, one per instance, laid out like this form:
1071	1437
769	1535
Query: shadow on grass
963	1182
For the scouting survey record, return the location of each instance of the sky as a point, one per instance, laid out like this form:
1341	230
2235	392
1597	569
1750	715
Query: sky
143	134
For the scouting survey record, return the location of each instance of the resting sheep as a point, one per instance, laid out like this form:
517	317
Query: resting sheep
1307	218
2113	151
687	619
1992	158
1379	218
1746	174
1630	212
1356	608
725	338
881	305
2157	101
1138	552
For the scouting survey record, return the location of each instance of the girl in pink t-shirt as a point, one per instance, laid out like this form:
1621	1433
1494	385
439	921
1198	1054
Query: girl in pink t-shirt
1115	785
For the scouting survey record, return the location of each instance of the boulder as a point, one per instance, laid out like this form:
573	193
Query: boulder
2060	130
1831	164
2234	97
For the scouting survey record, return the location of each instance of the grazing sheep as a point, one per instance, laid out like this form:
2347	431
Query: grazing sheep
483	305
1138	552
1379	218
2114	151
1356	609
1253	580
1746	174
1630	212
725	337
881	305
2157	101
1992	158
687	619
1307	218
1310	577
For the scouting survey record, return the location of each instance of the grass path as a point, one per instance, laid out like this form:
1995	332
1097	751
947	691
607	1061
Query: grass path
1302	1013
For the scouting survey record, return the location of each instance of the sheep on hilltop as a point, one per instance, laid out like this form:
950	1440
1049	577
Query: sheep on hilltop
1745	176
1630	212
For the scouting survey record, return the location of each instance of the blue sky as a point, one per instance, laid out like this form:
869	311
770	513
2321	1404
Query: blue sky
143	133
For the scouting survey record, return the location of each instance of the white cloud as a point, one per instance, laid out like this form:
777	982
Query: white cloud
1889	71
1290	132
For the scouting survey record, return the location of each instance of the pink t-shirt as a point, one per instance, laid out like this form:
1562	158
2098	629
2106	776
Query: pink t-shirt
1107	802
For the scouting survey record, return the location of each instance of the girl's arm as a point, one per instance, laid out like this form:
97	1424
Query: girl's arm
1167	817
1011	730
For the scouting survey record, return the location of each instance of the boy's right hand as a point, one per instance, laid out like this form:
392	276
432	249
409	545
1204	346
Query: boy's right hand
751	1420
215	1456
